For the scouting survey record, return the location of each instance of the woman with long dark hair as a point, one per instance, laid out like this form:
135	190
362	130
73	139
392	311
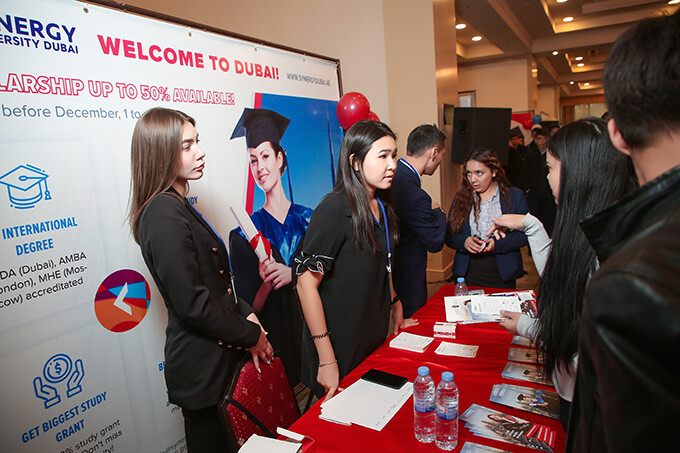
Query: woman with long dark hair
208	328
485	193
344	266
586	174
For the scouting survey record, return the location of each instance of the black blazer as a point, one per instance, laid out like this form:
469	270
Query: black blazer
207	327
421	230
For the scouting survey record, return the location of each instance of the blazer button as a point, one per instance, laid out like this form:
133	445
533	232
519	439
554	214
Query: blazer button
229	291
238	347
229	346
220	343
214	250
221	271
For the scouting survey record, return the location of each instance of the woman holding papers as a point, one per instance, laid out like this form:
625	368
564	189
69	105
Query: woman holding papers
586	174
344	266
207	326
266	285
485	193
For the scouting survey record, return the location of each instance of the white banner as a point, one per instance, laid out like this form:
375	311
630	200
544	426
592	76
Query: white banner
81	323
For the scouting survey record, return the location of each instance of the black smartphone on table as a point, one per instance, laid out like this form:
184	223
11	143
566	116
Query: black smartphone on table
383	378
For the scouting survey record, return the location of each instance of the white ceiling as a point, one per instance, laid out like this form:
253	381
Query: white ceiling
520	28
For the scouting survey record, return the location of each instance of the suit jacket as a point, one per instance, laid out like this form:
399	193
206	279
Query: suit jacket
421	230
508	255
207	326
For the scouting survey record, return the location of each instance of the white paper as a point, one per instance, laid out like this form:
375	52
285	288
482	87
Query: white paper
248	228
411	342
366	404
258	444
458	350
457	309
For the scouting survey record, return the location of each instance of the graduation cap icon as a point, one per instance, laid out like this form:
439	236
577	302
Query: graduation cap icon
26	186
260	125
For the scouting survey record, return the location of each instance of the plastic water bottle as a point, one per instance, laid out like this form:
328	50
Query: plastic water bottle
461	288
446	436
423	406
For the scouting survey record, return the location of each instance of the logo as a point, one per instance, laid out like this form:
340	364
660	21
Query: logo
122	300
58	368
26	186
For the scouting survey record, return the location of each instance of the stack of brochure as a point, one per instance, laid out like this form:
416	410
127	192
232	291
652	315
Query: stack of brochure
525	372
471	447
411	342
524	355
495	425
541	402
468	309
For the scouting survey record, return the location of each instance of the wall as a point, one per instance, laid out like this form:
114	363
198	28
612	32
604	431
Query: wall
549	102
491	82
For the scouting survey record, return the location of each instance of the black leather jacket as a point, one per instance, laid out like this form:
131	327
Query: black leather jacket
627	395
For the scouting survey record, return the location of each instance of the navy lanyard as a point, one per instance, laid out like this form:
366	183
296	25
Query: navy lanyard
387	236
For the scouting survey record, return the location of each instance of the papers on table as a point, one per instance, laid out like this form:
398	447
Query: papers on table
366	404
521	341
411	342
459	350
542	402
523	355
258	444
492	424
445	329
524	372
488	307
471	447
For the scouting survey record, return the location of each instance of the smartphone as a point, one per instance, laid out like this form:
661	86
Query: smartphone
383	378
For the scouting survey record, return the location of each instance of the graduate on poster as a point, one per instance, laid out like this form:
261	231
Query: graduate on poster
267	284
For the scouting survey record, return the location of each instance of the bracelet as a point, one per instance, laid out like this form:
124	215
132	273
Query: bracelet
327	363
321	335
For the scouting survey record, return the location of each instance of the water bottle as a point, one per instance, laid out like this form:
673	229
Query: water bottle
461	288
423	406
446	436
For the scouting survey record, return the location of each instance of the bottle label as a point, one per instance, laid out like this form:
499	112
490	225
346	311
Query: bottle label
450	413
423	406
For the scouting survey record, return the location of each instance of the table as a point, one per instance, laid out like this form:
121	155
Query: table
475	379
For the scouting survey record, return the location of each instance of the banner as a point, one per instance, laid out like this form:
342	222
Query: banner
81	322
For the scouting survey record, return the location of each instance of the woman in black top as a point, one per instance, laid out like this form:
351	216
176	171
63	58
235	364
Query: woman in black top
208	328
344	281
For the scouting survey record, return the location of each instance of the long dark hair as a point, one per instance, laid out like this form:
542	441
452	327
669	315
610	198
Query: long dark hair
465	199
356	143
155	158
593	175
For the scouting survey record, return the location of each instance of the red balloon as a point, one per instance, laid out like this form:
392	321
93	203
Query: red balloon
351	108
528	125
372	116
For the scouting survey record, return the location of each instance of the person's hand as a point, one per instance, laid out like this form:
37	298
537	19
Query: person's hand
511	323
435	205
474	245
275	274
398	317
262	350
329	377
489	245
506	222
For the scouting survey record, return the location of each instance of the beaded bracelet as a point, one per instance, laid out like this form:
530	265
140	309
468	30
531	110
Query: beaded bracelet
321	335
327	363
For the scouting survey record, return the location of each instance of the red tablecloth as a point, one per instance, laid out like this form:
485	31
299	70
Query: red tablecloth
475	379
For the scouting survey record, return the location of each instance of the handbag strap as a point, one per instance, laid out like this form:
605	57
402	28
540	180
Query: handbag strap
250	415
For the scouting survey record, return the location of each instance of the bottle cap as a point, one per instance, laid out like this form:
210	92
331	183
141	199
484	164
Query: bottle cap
461	280
447	376
423	371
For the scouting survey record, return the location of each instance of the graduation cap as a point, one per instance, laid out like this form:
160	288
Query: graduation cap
260	125
25	186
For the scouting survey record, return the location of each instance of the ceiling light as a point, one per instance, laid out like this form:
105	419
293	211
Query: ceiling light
587	84
477	38
562	1
580	65
578	58
460	26
555	52
571	83
567	19
673	2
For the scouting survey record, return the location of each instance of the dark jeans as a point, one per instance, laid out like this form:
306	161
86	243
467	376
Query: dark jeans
204	432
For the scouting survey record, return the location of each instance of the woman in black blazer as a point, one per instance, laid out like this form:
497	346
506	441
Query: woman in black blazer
208	327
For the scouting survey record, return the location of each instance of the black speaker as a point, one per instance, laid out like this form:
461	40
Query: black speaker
480	127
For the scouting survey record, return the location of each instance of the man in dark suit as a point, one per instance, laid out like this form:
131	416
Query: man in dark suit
538	193
422	223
